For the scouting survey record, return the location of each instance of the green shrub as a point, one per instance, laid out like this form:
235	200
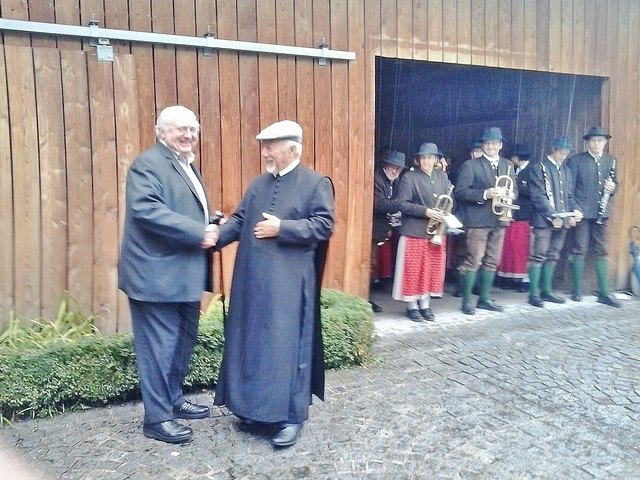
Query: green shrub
51	376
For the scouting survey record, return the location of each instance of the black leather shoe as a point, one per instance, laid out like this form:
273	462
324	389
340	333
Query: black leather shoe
169	431
427	314
375	307
414	315
576	296
535	301
467	309
191	411
552	297
609	300
489	305
287	435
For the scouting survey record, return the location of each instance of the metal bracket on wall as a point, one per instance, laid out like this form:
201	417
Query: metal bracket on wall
103	37
104	50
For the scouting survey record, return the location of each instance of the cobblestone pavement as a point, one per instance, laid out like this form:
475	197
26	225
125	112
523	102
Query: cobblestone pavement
524	394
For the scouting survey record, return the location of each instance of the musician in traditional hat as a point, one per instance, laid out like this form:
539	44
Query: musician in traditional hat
512	270
475	191
386	218
420	262
554	212
595	181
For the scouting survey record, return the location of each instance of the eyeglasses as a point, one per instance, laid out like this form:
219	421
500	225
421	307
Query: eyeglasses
184	129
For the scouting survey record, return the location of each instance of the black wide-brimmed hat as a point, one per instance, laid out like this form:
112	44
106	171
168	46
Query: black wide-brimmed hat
492	133
562	143
596	132
429	149
521	151
395	158
475	143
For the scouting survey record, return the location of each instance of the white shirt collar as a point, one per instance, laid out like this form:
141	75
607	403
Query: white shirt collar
550	158
186	159
288	168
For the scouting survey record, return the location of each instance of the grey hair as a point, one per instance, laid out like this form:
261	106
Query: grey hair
297	146
169	115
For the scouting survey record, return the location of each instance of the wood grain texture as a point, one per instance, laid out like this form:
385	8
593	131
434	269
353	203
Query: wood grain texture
88	132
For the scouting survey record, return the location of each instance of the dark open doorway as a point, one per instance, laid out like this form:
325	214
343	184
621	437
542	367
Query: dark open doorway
418	101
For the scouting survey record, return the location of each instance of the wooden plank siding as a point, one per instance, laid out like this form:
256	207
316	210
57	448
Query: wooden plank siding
70	125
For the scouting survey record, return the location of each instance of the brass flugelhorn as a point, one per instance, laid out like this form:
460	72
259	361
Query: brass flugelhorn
503	205
436	228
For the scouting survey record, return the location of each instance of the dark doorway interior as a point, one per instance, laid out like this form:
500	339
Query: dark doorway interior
449	104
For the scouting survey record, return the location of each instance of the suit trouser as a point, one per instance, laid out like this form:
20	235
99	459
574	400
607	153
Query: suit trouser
164	336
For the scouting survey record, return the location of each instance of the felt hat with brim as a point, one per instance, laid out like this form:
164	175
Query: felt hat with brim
492	133
429	149
283	130
395	158
521	151
475	144
596	132
561	143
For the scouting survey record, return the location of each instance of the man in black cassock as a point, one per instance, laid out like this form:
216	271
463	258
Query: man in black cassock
273	360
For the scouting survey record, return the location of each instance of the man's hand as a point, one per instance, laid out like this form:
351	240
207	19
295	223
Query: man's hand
211	234
493	192
609	186
557	222
267	228
578	215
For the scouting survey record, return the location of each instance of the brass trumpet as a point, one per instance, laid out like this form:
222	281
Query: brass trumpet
503	205
436	228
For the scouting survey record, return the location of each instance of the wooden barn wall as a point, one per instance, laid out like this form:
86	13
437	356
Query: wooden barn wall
69	125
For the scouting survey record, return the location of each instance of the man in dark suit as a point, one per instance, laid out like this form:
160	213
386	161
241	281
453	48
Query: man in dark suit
475	191
386	216
553	214
594	179
164	267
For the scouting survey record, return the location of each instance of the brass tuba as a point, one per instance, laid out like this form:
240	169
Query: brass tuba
503	205
436	228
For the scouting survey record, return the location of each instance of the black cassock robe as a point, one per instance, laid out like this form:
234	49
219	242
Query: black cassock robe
273	359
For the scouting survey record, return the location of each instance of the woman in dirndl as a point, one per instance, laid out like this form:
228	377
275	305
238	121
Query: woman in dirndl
420	263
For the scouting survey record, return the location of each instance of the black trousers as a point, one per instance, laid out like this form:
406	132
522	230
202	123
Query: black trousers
164	336
547	245
586	231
